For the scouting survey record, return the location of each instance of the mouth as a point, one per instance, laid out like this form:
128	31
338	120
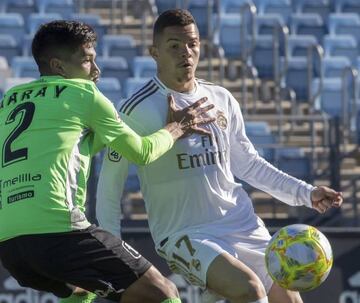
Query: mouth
185	65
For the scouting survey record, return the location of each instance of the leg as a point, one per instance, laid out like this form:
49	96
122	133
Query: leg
281	295
93	260
232	279
152	287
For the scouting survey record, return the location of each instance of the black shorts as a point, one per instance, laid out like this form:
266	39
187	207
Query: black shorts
92	259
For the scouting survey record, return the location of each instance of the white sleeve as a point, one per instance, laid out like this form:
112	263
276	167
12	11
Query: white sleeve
247	165
110	188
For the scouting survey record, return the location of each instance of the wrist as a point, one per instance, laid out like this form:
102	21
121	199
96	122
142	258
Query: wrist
312	194
175	130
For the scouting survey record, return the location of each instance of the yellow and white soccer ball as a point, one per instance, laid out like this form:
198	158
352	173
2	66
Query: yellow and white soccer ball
299	257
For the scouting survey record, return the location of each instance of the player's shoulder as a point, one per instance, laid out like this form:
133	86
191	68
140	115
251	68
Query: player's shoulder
141	95
211	85
203	82
80	84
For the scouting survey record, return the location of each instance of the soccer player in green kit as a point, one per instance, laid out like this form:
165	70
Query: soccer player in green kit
50	128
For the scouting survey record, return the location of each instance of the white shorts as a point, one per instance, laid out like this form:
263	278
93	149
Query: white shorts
191	254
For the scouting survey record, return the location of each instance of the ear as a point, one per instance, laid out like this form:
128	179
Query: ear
56	67
153	51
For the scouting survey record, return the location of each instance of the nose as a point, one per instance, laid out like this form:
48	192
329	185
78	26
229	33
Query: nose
95	69
186	52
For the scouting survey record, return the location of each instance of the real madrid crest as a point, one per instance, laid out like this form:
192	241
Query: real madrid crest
221	120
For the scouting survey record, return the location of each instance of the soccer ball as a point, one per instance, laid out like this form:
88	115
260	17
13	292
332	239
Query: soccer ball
298	257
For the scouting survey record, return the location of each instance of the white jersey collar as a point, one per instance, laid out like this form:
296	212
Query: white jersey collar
165	90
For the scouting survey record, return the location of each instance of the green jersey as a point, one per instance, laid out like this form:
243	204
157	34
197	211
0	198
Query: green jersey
49	128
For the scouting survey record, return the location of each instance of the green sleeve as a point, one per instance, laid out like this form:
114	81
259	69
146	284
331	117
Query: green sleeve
112	131
142	150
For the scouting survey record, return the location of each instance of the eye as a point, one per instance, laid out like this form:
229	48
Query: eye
193	44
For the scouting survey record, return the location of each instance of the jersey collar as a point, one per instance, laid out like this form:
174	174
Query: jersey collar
165	90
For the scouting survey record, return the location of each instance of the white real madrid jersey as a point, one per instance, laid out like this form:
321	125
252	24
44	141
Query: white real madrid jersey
192	186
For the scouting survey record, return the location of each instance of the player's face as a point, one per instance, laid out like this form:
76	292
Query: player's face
81	64
176	52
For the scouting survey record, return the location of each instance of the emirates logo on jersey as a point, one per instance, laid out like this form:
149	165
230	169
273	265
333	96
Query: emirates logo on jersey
221	120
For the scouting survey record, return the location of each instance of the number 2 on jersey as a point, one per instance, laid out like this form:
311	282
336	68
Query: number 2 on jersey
26	112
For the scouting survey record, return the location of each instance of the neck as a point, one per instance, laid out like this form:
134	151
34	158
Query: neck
181	86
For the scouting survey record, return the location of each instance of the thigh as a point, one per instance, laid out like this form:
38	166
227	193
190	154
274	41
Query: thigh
13	260
190	256
104	264
231	278
250	249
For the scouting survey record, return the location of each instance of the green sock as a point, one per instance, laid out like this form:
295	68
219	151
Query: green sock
176	300
80	298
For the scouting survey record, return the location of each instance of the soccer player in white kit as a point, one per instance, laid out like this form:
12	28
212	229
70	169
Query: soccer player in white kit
202	221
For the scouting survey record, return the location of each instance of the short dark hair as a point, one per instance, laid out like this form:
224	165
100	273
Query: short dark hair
60	38
172	17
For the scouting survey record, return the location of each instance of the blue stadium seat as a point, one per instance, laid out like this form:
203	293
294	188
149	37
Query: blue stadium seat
35	20
330	97
143	66
341	45
199	9
345	24
63	7
260	135
308	24
24	67
163	5
281	7
265	23
296	77
119	45
228	36
22	7
294	162
298	45
111	88
260	57
321	7
116	67
358	63
26	45
232	6
131	85
347	6
8	47
12	24
333	67
2	7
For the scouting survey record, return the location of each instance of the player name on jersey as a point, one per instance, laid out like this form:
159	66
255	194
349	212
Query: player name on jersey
27	95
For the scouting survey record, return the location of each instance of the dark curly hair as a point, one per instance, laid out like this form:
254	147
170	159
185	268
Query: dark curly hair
60	38
172	17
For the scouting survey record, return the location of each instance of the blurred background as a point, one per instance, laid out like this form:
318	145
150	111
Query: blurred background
291	64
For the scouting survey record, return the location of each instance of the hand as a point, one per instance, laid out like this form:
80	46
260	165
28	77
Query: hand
182	122
323	198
